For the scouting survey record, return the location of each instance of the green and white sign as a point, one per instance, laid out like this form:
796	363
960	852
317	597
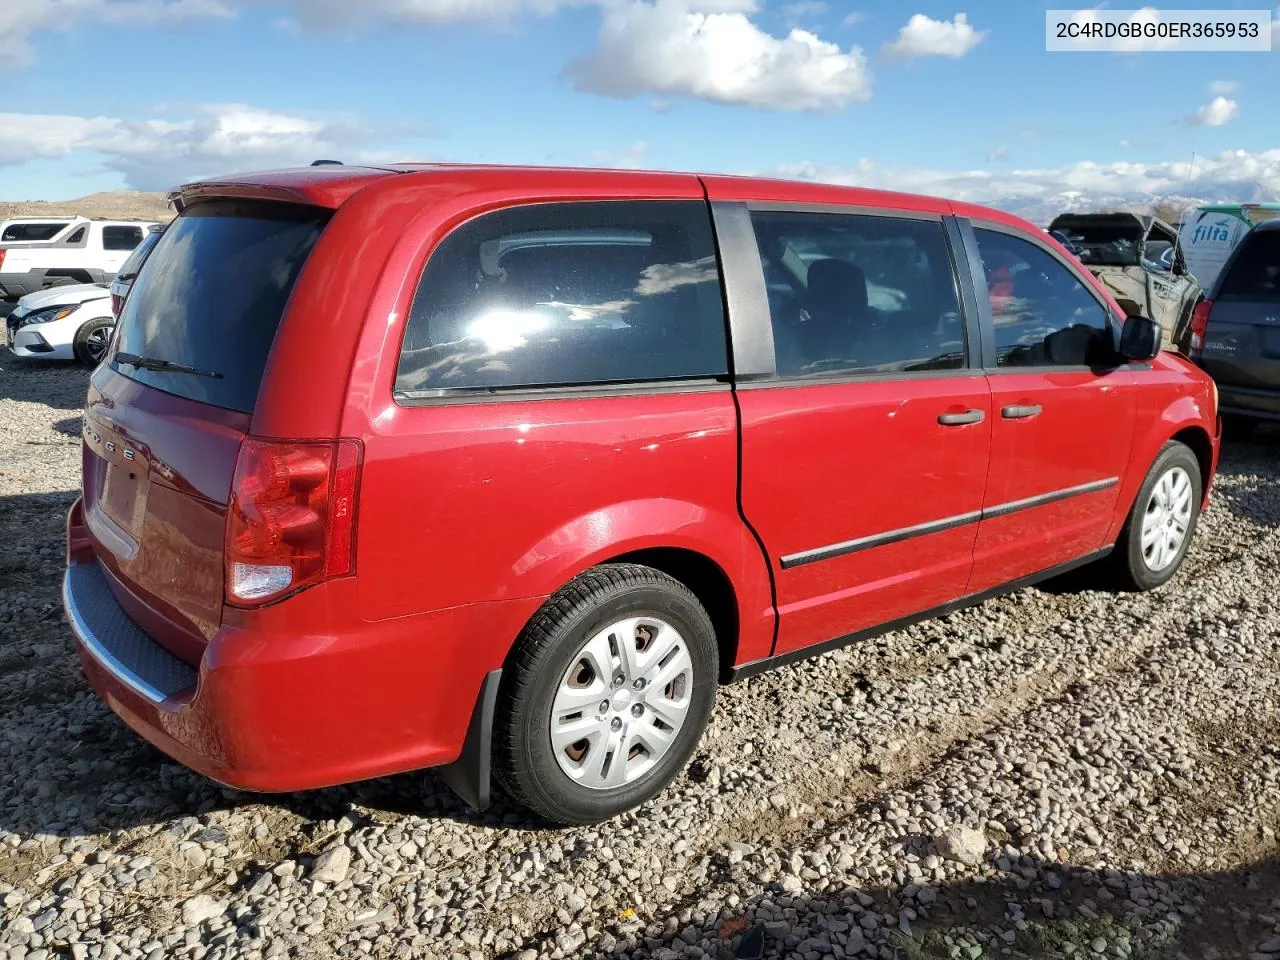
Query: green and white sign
1209	234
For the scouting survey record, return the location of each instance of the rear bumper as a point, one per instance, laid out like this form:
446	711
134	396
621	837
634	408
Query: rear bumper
308	696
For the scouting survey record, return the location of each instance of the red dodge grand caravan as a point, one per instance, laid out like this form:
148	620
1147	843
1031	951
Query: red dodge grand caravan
481	467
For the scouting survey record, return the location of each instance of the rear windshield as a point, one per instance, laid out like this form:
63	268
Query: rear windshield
1255	273
17	232
1105	246
211	296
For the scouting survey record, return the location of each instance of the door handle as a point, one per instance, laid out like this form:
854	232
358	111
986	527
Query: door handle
960	419
1021	411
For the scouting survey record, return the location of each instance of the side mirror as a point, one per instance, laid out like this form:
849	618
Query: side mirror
1140	339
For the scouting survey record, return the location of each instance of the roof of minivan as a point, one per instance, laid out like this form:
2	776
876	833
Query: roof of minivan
332	185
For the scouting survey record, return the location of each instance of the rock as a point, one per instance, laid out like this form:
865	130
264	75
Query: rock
200	908
332	865
1271	946
962	845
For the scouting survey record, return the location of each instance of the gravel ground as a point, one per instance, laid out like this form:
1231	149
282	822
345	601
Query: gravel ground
1059	773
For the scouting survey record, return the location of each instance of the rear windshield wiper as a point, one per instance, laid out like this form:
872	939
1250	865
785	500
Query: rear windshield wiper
151	363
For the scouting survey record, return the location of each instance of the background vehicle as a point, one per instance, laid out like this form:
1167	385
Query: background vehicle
1138	261
1235	334
129	269
315	542
77	320
62	323
1207	235
86	251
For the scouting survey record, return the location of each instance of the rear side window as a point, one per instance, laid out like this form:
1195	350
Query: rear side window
121	238
31	231
211	296
563	294
1255	274
850	293
1044	315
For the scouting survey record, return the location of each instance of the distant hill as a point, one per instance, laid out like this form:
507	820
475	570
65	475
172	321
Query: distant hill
120	204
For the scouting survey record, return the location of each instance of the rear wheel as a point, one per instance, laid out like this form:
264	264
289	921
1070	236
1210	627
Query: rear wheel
607	693
1163	520
92	340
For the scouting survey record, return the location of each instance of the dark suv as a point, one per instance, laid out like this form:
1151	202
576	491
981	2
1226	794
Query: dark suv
1235	332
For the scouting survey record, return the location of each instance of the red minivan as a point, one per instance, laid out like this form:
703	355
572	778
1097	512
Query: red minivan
507	469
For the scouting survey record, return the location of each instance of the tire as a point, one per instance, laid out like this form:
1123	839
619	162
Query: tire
1145	566
560	658
92	340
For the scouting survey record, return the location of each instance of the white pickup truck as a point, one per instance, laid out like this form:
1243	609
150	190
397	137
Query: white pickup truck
81	251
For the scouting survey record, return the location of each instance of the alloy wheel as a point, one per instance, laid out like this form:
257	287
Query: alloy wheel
1166	519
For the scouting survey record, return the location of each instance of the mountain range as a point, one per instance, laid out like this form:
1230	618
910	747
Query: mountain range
1042	208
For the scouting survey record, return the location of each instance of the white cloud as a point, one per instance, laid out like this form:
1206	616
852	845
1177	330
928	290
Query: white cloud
852	19
926	37
156	154
996	154
1223	87
1213	177
19	19
1218	111
667	47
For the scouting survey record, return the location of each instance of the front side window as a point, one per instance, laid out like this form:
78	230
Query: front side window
563	294
1044	315
859	294
121	238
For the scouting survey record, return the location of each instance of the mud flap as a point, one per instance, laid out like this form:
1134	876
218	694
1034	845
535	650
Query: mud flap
469	776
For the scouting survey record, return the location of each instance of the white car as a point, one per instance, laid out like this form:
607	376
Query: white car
65	323
83	251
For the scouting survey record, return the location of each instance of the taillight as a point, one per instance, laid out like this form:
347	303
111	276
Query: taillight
117	302
291	520
2	252
1200	323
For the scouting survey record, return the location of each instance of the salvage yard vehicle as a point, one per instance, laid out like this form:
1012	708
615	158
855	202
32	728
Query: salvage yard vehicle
1235	334
1139	261
84	251
489	467
62	323
1209	234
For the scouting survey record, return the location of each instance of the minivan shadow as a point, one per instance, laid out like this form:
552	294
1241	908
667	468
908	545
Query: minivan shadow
1212	913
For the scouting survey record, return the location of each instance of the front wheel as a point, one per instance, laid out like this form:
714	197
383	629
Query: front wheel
1162	522
92	341
606	694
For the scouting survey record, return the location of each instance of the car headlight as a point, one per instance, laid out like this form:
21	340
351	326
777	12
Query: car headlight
48	315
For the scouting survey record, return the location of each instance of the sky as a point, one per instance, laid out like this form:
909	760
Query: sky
962	101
